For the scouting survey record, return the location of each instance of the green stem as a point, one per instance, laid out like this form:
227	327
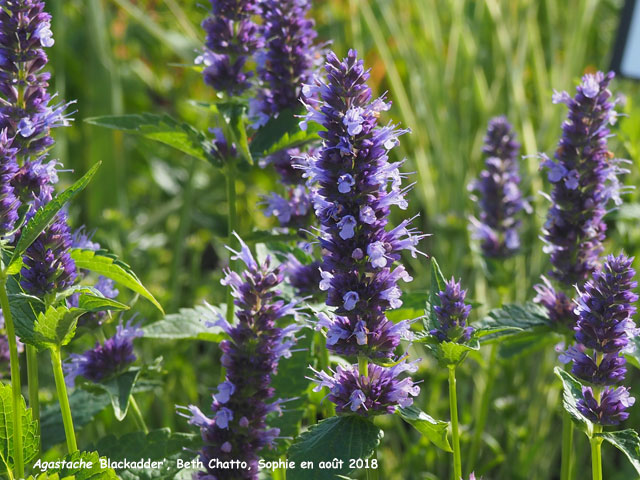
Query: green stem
16	388
567	446
137	415
63	399
34	384
483	413
596	454
363	365
453	407
231	222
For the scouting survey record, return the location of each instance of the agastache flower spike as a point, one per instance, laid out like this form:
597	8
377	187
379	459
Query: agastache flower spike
603	331
232	38
356	186
498	190
451	315
104	360
237	429
9	203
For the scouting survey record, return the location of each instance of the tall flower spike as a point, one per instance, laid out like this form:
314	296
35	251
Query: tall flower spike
9	203
357	185
498	189
604	329
238	429
232	38
452	315
584	176
104	360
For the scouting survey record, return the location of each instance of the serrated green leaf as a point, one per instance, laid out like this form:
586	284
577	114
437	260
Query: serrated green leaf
23	310
97	303
449	353
162	128
55	327
30	437
571	394
515	319
157	445
119	389
73	470
438	284
628	442
342	438
84	407
187	324
434	430
46	215
108	265
282	132
525	343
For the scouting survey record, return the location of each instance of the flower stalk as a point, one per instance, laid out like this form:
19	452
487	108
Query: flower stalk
63	399
455	433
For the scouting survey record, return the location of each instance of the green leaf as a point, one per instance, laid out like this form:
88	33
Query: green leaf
434	430
24	311
525	343
188	324
628	442
571	394
47	214
158	445
343	438
282	132
95	472
449	353
438	284
161	128
108	265
84	407
233	126
514	319
118	387
97	303
30	437
55	327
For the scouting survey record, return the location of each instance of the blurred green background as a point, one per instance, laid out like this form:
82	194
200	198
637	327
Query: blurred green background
449	66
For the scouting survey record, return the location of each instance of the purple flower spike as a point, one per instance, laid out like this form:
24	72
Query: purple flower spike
356	187
452	314
104	360
232	37
9	203
380	392
498	190
610	410
237	429
304	278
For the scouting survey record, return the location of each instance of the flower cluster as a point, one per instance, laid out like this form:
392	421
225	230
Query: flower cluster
287	61
378	392
498	190
238	429
584	178
106	359
604	328
451	315
356	187
9	203
232	38
305	278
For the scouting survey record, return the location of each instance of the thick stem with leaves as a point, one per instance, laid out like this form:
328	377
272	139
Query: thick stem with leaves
63	399
18	457
455	432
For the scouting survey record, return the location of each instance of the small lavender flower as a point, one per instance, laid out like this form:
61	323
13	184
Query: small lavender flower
605	311
288	59
380	392
498	189
47	263
451	315
610	410
305	278
238	429
293	211
356	187
232	37
559	306
9	203
104	360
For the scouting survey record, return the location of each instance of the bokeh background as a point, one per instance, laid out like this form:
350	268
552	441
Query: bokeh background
449	66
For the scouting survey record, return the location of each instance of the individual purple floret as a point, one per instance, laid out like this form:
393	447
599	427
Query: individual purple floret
47	263
304	278
451	315
610	410
288	59
232	38
498	190
357	185
294	211
104	360
604	329
559	306
9	203
379	392
237	429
